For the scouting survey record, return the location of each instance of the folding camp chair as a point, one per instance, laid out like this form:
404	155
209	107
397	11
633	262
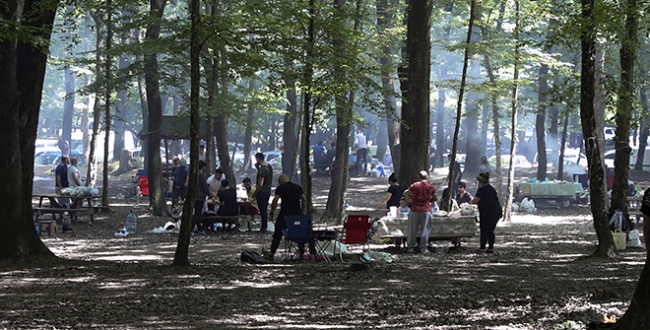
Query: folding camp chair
297	234
143	182
355	231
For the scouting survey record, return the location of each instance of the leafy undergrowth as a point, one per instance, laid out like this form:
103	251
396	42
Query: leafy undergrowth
536	280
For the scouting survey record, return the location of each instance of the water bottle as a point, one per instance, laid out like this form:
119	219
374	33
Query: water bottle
131	223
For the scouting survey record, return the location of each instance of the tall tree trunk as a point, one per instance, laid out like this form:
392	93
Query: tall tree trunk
514	114
384	18
68	107
415	131
250	121
290	136
107	103
182	247
91	174
175	146
627	54
643	126
560	166
461	93
540	118
22	72
590	128
154	105
307	123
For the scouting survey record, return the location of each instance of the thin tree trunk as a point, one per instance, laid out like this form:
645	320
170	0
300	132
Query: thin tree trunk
540	118
306	103
461	92
560	167
384	18
290	136
515	95
91	174
182	247
643	126
107	98
248	134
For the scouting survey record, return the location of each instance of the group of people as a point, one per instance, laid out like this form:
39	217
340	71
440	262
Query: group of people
324	155
421	195
220	190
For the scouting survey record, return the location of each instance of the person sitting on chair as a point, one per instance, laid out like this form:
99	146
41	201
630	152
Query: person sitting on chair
227	201
293	203
463	195
403	208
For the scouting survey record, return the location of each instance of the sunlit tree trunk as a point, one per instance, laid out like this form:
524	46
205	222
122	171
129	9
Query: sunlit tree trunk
643	125
91	174
514	114
107	101
22	71
590	128
540	119
290	136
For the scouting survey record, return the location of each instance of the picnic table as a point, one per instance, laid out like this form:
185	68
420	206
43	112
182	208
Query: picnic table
74	209
441	228
558	191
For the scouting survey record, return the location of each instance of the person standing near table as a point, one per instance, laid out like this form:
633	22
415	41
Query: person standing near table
489	210
251	207
263	188
422	194
180	176
361	147
293	203
214	184
393	194
73	173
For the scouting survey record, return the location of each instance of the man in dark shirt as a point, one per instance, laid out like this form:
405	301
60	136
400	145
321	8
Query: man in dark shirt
228	201
62	179
202	193
320	160
263	188
180	175
293	203
645	211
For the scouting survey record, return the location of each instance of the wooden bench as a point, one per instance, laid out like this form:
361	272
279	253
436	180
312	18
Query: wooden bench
74	213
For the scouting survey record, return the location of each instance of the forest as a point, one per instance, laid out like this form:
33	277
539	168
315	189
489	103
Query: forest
421	79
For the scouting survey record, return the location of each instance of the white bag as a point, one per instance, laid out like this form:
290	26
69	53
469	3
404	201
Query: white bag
527	205
468	209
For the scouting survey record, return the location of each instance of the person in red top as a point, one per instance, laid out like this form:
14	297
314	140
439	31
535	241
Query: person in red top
422	194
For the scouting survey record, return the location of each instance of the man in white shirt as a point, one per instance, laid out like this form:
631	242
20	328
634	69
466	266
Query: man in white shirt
73	173
202	151
361	147
214	184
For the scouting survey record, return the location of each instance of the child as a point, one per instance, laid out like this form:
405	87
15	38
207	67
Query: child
403	209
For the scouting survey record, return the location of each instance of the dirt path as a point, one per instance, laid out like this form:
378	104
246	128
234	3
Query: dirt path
536	280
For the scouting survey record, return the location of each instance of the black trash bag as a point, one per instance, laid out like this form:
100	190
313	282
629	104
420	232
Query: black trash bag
251	257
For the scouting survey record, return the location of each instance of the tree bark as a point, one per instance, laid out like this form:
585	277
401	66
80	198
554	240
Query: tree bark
182	247
514	114
540	119
68	106
250	122
107	98
596	171
290	136
384	19
22	72
91	174
415	130
643	126
154	105
627	54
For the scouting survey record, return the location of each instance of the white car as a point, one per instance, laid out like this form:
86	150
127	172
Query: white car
520	161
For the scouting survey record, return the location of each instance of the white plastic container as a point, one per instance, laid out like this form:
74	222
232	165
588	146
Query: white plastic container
131	223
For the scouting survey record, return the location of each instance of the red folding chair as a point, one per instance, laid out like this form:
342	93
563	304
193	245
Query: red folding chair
356	231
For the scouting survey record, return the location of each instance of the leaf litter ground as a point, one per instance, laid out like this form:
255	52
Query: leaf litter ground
538	279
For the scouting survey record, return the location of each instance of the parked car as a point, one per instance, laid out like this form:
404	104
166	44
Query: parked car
520	161
54	157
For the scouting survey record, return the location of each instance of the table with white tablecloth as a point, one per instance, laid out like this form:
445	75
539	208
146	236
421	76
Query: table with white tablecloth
558	191
450	228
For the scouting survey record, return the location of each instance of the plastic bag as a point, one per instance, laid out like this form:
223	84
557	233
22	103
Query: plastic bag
633	239
468	209
527	205
379	256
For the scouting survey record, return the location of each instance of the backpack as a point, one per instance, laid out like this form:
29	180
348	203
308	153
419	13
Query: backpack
251	257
